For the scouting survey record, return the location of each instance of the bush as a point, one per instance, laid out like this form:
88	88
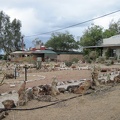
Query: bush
108	53
109	62
93	55
75	60
87	59
100	60
68	63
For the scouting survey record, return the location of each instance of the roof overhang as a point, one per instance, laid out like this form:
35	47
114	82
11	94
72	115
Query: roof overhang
43	52
20	52
102	46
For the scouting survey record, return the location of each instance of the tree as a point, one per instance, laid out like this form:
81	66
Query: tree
37	41
10	35
92	36
114	29
62	41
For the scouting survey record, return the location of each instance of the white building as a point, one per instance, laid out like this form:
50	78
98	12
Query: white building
113	43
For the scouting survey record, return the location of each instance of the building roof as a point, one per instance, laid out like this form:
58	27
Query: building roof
34	52
43	51
21	52
102	46
113	41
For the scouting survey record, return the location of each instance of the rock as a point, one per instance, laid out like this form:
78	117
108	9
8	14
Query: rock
71	88
83	87
54	89
117	79
8	104
4	93
62	90
36	91
2	115
46	98
22	95
104	70
29	94
9	76
1	111
10	92
21	103
12	85
22	88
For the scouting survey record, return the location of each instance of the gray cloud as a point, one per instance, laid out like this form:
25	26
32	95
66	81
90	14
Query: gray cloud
39	16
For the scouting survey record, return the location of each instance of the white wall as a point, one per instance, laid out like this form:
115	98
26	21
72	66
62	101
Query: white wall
118	53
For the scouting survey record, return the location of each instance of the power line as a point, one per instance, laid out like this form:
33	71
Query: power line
74	24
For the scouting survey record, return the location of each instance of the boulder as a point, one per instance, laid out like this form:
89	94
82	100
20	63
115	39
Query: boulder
8	104
62	90
46	98
83	87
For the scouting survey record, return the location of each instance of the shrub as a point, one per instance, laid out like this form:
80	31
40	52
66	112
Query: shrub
68	63
100	59
74	60
109	62
93	55
87	59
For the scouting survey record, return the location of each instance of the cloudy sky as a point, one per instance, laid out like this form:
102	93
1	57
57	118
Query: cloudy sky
40	16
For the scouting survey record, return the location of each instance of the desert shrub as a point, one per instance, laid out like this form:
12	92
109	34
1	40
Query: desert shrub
108	53
74	60
109	62
28	59
87	59
100	59
118	61
68	63
93	55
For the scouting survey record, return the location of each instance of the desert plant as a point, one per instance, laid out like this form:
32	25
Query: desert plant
87	59
74	60
109	62
93	55
68	63
108	53
100	59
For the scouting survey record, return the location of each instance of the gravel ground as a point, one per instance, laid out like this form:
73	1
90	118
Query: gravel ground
97	106
45	78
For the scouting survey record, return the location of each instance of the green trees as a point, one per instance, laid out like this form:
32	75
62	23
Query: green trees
114	29
37	41
10	35
92	36
62	41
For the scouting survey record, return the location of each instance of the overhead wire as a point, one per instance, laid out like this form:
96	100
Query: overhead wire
74	24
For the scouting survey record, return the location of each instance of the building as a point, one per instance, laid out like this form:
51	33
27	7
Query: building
112	43
43	55
69	55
